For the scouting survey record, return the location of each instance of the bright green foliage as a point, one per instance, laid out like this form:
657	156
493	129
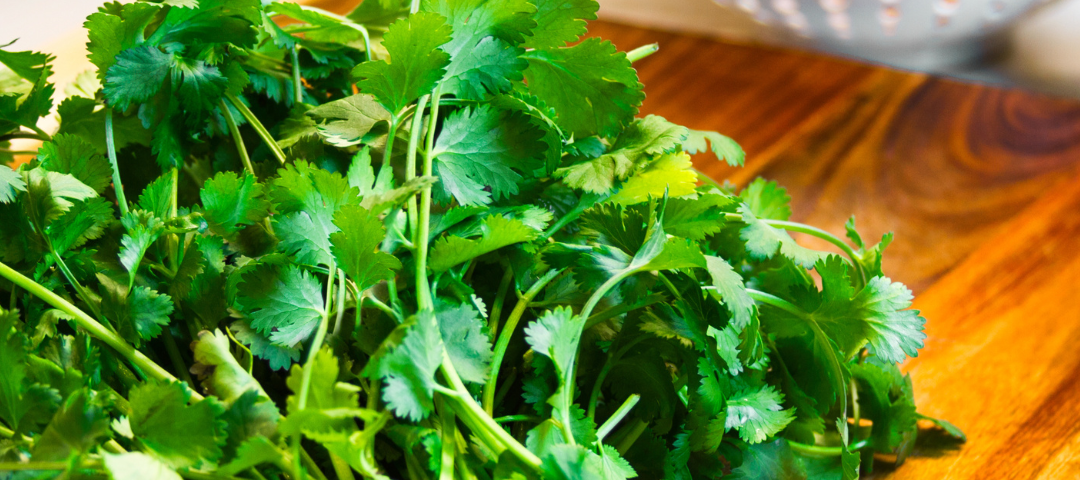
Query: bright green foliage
349	121
591	86
549	291
485	149
138	466
284	304
408	370
559	22
355	247
416	62
466	341
178	432
231	202
757	414
496	232
77	157
723	147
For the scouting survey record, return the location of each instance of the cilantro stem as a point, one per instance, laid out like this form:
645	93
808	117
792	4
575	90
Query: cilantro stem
298	86
448	433
815	232
237	139
6	432
620	309
613	358
309	363
110	148
819	336
823	451
41	133
507	332
341	469
410	173
174	356
386	170
854	406
500	298
634	431
519	418
17	152
258	126
311	465
423	288
603	290
92	326
642	52
27	135
616	417
80	290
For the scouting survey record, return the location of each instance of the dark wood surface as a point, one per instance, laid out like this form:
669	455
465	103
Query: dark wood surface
982	188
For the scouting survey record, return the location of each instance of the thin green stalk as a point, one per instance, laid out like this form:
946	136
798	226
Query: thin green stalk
298	86
41	133
620	309
642	52
823	451
24	466
635	431
707	179
341	304
448	422
410	170
110	148
6	432
92	326
341	467
80	290
316	345
819	334
856	414
237	139
309	463
258	126
386	170
174	356
481	423
603	290
423	291
507	332
519	418
812	231
27	135
613	358
617	417
500	298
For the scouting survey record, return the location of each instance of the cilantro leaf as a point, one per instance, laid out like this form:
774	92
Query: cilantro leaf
279	357
139	313
349	121
175	431
137	466
84	221
671	174
559	22
483	148
77	157
231	201
723	147
143	229
730	288
767	200
757	414
637	144
137	75
417	63
591	85
408	371
497	232
11	183
284	303
75	428
466	340
226	380
355	247
764	241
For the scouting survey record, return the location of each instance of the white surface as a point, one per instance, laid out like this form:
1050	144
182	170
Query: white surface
36	23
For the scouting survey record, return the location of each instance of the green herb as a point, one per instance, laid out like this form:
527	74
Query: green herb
424	239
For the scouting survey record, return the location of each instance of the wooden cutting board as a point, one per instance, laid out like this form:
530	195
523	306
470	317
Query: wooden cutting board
982	188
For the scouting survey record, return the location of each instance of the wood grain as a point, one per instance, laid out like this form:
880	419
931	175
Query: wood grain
981	186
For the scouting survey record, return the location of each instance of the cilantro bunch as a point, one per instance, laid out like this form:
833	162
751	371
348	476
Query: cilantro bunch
426	239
